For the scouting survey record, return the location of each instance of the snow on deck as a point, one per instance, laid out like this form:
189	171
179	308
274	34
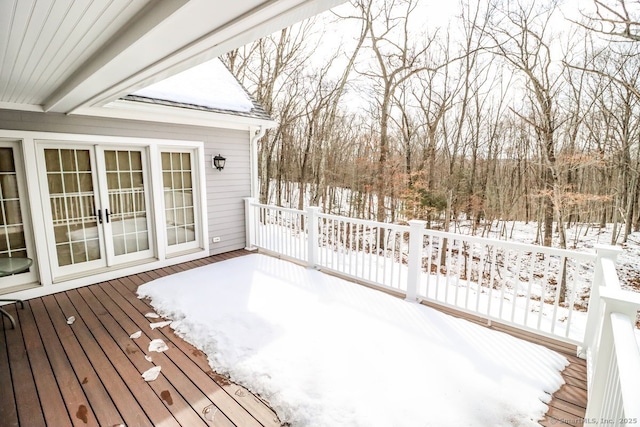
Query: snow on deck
327	352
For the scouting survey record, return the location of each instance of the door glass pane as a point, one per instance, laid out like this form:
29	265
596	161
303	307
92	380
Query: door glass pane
178	198
126	201
12	241
72	200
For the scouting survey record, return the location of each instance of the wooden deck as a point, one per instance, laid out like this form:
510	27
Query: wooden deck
88	373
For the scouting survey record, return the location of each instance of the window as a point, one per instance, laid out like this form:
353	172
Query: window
12	238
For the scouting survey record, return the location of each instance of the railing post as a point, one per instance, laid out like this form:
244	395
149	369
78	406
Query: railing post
312	236
249	223
414	266
594	315
611	301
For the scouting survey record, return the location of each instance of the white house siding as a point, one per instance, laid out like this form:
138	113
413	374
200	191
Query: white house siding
225	189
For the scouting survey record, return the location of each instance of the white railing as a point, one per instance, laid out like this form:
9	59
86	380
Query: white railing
530	287
278	230
613	357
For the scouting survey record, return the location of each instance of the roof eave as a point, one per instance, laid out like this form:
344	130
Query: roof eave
141	111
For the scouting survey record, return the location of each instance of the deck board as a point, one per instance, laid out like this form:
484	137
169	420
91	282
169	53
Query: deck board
124	362
99	399
52	402
245	399
88	373
72	393
180	373
29	413
229	406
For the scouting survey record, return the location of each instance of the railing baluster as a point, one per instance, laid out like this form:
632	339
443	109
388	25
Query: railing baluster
534	259
556	302
543	289
516	286
429	255
468	271
377	246
358	248
492	275
572	300
392	242
458	269
481	267
438	257
447	268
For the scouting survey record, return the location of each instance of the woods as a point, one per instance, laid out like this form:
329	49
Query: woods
505	110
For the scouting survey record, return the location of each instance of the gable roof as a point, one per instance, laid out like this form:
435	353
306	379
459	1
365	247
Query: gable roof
63	56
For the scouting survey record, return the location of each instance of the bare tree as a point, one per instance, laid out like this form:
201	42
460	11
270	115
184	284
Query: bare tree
520	35
397	58
615	19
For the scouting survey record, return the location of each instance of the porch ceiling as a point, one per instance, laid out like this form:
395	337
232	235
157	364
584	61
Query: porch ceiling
60	55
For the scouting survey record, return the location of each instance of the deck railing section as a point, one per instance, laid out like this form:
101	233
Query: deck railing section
278	230
613	356
368	251
527	286
530	287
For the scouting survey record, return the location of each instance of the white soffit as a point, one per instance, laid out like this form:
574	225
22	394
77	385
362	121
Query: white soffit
60	55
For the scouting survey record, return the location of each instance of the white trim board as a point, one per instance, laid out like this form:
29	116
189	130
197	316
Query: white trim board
140	111
111	274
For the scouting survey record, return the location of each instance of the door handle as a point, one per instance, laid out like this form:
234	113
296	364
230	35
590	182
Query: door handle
99	216
106	215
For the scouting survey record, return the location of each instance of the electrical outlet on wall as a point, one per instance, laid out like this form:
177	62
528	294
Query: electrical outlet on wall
215	240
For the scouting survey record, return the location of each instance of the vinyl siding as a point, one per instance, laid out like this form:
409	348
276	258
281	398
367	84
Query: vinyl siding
225	189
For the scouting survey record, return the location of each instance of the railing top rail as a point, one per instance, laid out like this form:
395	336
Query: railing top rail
386	225
609	274
278	208
572	254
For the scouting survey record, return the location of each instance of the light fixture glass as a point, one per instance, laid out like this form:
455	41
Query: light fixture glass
218	162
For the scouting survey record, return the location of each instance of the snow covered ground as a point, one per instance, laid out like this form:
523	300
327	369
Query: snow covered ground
326	352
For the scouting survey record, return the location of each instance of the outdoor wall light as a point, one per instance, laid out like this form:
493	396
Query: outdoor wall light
218	162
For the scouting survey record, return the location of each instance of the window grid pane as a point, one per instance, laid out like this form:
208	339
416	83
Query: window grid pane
178	198
72	202
12	240
127	202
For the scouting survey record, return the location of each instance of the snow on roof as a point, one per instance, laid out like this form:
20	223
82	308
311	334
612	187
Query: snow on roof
209	85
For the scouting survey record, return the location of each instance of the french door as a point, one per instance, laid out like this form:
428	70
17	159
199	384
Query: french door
98	206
